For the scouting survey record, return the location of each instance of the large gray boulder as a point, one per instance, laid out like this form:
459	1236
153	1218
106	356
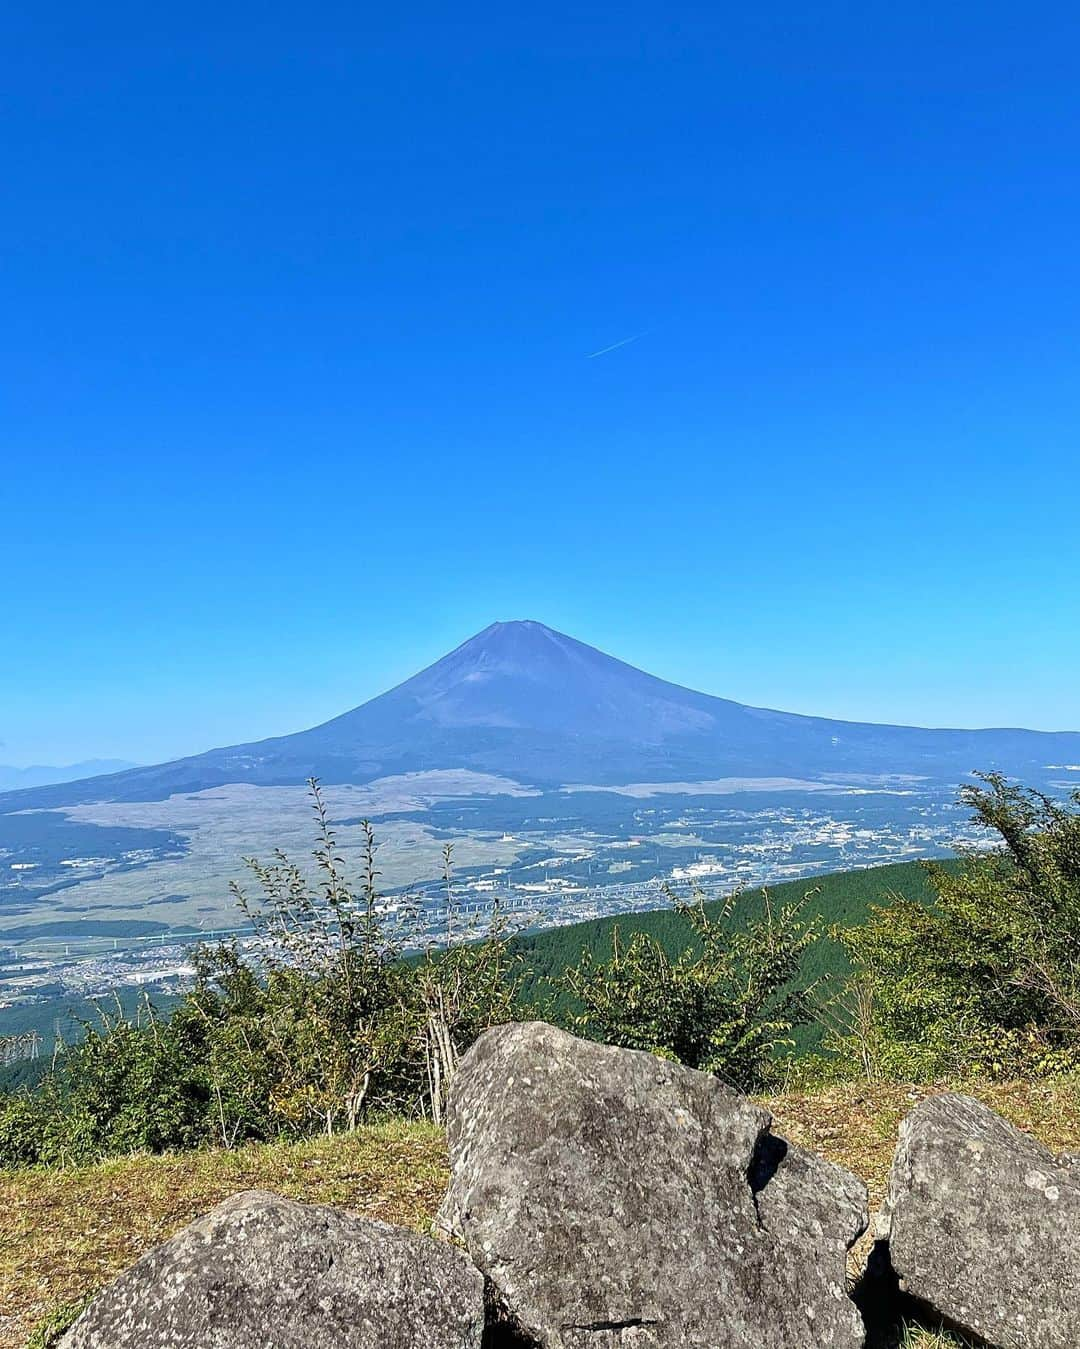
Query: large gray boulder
614	1198
982	1225
261	1272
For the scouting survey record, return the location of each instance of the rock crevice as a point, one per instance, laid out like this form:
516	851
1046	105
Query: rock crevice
622	1187
981	1224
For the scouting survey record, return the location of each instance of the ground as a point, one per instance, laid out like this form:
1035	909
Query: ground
65	1233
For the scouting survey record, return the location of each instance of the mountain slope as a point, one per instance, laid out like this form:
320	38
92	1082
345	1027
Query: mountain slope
541	707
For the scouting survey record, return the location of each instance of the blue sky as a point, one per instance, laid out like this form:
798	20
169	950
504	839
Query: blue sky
297	390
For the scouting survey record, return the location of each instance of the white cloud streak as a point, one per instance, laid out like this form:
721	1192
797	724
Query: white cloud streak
614	347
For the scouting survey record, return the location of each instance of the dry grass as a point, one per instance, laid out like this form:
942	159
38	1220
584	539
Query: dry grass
65	1233
917	1338
855	1123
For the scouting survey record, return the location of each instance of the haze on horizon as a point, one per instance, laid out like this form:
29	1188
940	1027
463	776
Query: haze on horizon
738	345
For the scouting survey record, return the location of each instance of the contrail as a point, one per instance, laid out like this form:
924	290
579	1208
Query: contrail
614	347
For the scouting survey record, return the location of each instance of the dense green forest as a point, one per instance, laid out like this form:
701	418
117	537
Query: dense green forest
840	900
66	1017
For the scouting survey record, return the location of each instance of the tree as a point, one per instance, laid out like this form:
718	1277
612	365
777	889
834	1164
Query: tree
987	979
461	989
329	1015
354	1009
725	1004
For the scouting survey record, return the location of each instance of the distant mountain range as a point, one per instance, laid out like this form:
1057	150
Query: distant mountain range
39	775
522	700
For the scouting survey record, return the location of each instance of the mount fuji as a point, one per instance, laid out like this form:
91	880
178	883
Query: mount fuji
524	701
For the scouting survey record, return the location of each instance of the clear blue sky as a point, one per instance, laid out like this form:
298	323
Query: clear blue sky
299	302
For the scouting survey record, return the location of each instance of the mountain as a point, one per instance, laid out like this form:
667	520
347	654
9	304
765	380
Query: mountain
523	700
39	775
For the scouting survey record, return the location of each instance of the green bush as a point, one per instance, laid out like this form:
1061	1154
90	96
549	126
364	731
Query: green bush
985	979
838	901
333	1022
51	1328
725	1004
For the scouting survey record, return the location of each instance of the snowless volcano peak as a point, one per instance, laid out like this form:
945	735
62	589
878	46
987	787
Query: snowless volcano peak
526	675
523	700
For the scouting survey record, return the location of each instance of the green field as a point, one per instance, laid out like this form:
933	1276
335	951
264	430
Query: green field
842	900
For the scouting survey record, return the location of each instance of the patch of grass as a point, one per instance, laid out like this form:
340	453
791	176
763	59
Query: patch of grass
65	1234
855	1123
918	1337
49	1329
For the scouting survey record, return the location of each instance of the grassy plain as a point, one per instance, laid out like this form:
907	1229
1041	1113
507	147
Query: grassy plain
222	825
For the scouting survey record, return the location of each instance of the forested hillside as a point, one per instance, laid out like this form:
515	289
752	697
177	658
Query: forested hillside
838	900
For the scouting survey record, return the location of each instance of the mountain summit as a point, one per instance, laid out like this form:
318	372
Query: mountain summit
526	701
524	676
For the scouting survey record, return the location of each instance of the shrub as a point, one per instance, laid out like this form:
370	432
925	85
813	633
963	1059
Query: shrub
725	1005
51	1328
987	979
331	1020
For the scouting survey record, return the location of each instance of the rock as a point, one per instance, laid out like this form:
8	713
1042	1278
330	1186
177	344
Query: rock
261	1272
614	1198
982	1224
